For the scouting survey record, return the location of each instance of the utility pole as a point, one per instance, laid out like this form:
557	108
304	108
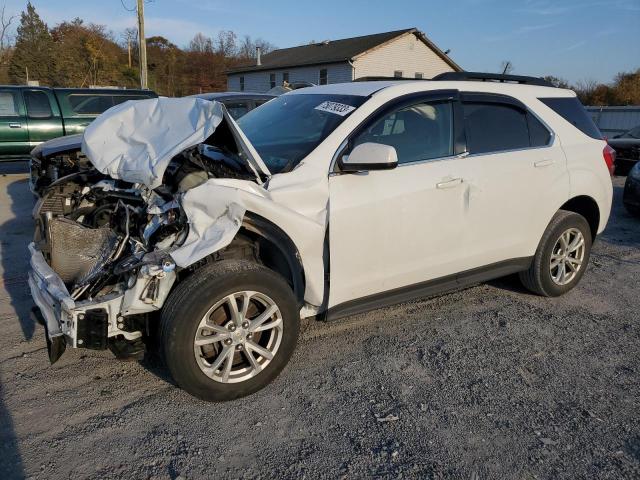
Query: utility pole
129	49
142	45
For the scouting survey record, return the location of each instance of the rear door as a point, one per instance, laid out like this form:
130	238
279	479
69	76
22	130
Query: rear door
14	131
517	177
43	115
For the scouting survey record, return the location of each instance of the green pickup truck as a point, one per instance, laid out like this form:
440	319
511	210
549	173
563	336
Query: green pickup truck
32	115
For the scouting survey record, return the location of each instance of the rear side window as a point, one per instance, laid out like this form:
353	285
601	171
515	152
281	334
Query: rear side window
37	103
538	133
495	127
573	112
90	104
8	104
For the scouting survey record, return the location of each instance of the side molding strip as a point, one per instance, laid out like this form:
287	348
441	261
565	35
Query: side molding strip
429	288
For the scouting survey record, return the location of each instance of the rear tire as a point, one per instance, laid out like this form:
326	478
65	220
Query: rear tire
562	256
215	352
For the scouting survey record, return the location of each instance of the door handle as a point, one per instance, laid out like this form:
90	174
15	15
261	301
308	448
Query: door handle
543	163
15	125
449	183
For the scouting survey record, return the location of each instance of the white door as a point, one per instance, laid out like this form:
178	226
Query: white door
394	228
517	178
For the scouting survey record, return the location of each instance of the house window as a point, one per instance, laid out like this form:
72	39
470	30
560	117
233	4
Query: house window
272	80
285	77
397	73
242	84
419	75
324	78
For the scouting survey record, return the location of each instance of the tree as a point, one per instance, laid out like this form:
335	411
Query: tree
201	43
86	55
248	46
557	82
506	67
33	49
165	64
627	88
226	44
5	23
5	43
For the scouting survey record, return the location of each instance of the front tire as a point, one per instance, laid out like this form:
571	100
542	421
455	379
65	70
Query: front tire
562	256
228	330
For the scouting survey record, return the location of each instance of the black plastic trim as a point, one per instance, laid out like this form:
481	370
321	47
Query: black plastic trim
429	288
492	77
92	329
271	232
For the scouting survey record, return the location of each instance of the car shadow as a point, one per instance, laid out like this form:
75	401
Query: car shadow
15	233
10	459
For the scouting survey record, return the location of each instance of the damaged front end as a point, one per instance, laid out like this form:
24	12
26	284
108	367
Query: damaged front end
102	260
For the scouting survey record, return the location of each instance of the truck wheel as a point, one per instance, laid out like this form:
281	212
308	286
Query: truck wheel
562	256
229	330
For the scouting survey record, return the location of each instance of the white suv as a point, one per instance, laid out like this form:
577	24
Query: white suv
216	238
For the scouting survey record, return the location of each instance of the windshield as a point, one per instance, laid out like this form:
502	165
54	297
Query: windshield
286	129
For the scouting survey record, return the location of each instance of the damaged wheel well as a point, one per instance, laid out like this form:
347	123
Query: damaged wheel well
264	242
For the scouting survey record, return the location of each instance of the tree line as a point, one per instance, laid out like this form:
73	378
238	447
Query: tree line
624	90
78	54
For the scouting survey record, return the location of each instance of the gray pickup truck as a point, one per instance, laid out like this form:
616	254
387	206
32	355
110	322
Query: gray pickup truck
32	115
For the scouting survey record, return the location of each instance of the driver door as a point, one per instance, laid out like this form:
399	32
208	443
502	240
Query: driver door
394	229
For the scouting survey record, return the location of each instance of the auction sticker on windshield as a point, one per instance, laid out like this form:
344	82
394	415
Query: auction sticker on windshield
335	107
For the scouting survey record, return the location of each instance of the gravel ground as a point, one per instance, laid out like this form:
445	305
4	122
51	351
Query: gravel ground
489	382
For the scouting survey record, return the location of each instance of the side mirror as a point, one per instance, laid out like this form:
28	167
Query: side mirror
369	156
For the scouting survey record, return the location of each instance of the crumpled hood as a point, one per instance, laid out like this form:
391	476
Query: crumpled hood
136	140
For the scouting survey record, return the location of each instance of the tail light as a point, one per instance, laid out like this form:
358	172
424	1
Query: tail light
609	155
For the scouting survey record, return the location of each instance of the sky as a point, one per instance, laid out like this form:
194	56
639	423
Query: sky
576	40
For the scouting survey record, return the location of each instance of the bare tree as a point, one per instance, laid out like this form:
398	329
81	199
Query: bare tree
506	67
5	24
226	44
201	43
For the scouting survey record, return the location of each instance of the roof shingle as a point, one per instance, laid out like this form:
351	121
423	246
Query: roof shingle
332	51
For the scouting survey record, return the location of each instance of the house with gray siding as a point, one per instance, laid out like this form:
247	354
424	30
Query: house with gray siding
404	53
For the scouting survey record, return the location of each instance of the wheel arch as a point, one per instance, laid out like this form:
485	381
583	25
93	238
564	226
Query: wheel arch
587	207
275	250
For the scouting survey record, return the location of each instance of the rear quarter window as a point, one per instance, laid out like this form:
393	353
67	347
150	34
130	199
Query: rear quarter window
573	112
82	104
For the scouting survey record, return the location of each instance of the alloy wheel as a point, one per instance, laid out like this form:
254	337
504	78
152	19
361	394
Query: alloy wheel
238	337
567	256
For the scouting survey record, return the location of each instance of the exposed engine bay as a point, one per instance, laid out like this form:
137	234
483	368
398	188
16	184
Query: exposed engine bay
110	240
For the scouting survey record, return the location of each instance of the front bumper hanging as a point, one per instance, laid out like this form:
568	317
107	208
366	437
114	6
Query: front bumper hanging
85	324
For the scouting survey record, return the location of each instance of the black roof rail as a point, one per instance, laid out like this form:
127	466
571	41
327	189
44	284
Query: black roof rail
383	78
492	77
